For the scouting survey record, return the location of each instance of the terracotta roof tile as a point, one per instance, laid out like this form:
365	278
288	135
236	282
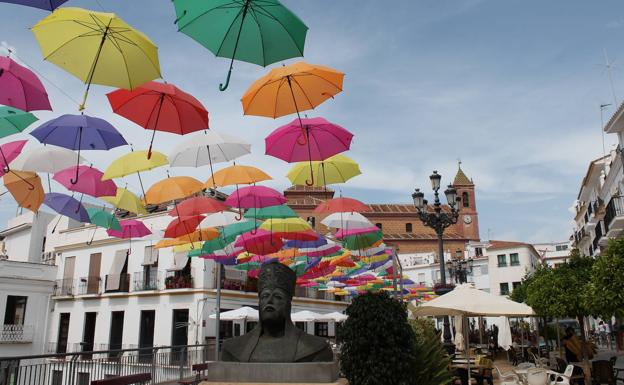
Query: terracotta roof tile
461	179
505	244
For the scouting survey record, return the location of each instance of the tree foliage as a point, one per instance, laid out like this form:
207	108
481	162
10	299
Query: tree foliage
432	361
606	292
378	342
519	293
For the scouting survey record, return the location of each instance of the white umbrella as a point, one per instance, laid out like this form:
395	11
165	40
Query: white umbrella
337	317
308	316
459	333
370	251
50	159
208	148
504	332
347	221
222	218
243	313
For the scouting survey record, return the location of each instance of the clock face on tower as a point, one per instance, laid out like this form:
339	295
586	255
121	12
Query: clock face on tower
467	219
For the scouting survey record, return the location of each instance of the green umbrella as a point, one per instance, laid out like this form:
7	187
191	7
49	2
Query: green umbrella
195	253
228	235
280	211
103	219
14	121
361	241
254	31
247	266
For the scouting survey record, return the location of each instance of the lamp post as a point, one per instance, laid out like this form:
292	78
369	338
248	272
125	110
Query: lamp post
439	221
459	269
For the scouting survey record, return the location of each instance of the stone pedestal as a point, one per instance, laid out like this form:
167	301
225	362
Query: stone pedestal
243	373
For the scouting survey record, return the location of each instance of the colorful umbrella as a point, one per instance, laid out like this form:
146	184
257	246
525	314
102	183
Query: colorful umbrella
197	206
126	200
362	241
14	121
336	169
293	88
130	228
286	225
90	181
160	107
79	132
66	205
182	226
172	189
318	141
341	205
9	151
21	88
97	48
26	189
49	159
259	242
281	211
220	219
255	31
349	232
49	5
235	175
200	235
103	218
347	221
255	196
134	162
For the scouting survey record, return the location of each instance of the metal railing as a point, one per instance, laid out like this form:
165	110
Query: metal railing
142	281
124	283
89	285
16	334
166	364
64	287
615	208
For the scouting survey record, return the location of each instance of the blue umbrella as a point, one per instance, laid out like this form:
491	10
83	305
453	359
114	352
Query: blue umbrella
50	5
67	206
79	132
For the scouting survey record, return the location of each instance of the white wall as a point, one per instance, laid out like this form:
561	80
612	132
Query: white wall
510	274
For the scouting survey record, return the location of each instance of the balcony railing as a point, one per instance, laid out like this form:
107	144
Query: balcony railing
124	283
64	287
615	208
142	281
89	285
16	334
179	282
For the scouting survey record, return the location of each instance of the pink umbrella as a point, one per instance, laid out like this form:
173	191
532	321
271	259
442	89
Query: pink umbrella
130	228
10	151
259	242
21	88
255	197
89	182
346	233
322	251
318	140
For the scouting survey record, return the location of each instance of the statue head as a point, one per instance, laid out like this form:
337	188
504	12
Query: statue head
276	287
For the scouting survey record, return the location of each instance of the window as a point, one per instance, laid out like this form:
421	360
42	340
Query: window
514	260
15	310
408	228
502	260
321	329
379	226
466	199
515	285
478	251
311	221
561	247
504	288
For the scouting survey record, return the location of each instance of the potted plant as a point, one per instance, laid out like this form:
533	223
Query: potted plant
169	282
443	288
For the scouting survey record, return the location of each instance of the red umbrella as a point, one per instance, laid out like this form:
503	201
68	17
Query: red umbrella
160	107
303	236
21	88
197	206
341	205
259	242
183	226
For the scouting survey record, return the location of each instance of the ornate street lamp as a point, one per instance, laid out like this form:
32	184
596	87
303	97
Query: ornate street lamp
434	218
459	269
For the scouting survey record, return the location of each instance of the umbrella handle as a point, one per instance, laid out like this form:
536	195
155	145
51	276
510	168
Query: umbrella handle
31	187
74	181
239	216
304	136
90	241
223	87
244	13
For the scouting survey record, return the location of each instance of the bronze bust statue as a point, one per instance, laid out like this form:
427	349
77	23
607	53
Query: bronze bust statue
276	339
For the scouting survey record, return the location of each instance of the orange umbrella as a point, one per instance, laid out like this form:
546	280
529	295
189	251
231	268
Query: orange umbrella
172	189
26	188
199	235
237	174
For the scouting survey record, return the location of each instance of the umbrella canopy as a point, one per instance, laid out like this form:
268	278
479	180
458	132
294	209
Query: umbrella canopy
49	5
281	211
90	181
293	88
255	31
362	241
103	218
8	152
21	88
200	235
336	169
337	317
173	188
237	174
14	121
469	301
160	107
220	219
308	316
260	242
26	189
197	206
50	159
208	148
182	226
67	206
255	196
286	225
341	205
347	221
134	162
243	313
97	48
126	200
130	228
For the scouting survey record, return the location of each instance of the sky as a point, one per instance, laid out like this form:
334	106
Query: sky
512	88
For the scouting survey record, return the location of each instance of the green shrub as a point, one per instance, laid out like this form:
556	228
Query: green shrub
432	362
378	343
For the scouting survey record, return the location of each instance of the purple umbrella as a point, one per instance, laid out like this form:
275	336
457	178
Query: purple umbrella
21	88
67	206
49	5
79	132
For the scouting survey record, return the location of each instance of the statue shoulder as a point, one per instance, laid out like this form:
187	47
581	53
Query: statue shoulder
313	348
238	348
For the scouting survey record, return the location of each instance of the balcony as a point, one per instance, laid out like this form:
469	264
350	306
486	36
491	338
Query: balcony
614	216
142	281
111	283
179	281
64	287
16	334
89	285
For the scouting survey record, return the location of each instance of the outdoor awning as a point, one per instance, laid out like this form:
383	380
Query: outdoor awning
243	313
114	274
468	301
151	256
308	316
179	261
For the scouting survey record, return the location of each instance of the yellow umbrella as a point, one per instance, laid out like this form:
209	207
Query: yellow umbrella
336	169
126	200
135	162
97	47
164	243
237	174
187	247
286	225
172	189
